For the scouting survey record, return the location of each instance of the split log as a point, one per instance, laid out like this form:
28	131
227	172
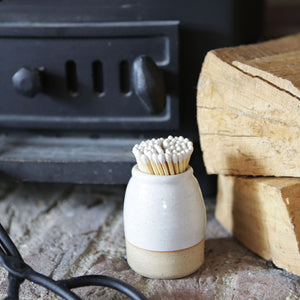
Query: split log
248	109
264	214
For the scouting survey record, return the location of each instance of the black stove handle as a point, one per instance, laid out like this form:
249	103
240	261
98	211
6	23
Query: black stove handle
148	84
27	81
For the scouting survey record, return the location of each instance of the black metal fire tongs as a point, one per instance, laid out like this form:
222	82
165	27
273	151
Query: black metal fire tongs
18	271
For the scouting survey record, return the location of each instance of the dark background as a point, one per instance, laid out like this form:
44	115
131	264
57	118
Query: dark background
204	25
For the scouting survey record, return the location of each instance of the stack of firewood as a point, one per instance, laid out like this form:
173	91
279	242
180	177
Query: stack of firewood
248	110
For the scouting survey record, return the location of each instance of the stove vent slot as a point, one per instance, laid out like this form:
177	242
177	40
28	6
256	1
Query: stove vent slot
97	73
71	78
124	77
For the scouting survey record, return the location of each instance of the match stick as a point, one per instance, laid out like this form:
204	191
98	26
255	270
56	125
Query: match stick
162	161
175	162
147	164
152	162
170	164
158	165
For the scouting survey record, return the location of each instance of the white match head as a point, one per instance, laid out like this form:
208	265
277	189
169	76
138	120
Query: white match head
180	156
160	141
174	157
184	154
161	158
158	149
137	153
191	148
153	150
135	149
168	151
144	159
148	154
168	157
155	158
166	143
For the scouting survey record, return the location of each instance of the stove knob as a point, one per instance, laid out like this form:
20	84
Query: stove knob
148	84
27	82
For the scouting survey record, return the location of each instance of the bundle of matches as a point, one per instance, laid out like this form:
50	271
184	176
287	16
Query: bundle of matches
161	156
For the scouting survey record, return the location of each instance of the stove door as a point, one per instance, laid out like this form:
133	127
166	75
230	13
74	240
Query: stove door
108	76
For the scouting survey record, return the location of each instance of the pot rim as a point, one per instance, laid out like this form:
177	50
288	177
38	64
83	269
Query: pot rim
136	173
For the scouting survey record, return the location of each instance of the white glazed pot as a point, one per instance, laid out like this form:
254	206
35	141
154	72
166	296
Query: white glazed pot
164	223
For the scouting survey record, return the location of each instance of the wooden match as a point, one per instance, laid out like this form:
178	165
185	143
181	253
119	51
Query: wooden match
163	157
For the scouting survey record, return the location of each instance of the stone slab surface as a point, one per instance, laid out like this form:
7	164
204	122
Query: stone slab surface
70	230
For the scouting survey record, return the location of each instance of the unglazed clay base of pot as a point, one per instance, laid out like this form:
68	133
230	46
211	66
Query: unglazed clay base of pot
165	264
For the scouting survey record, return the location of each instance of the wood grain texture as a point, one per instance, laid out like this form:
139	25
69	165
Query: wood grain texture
264	214
248	109
282	70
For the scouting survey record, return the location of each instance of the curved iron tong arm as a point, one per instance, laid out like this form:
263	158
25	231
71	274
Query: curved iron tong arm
12	261
102	280
7	246
18	270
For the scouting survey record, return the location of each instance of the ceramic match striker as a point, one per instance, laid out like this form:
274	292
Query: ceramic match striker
164	222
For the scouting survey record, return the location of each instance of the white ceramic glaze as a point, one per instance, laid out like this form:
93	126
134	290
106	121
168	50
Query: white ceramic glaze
164	213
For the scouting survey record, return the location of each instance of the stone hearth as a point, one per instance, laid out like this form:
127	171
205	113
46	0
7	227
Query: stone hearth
70	230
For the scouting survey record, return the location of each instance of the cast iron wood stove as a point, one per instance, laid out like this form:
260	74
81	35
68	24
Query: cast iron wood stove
83	81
